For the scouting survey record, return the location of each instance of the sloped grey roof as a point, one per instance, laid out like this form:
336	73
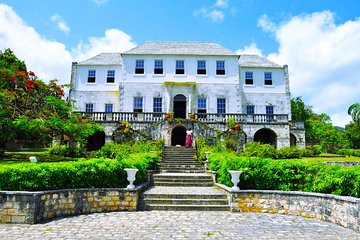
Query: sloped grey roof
250	60
181	48
104	59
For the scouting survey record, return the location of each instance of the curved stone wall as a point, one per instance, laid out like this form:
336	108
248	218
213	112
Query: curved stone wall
341	210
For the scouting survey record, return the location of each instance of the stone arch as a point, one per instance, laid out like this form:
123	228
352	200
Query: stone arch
95	141
179	106
178	135
266	136
293	140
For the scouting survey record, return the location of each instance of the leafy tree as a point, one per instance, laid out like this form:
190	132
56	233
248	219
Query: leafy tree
354	112
300	111
32	109
352	132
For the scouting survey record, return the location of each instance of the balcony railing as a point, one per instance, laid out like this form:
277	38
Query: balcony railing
203	117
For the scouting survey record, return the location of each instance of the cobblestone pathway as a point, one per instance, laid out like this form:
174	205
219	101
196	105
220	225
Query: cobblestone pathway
179	225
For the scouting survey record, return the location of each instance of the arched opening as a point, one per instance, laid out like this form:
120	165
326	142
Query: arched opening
179	106
265	136
95	141
293	140
178	136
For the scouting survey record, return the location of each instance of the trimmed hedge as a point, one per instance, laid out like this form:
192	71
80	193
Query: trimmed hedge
296	175
92	173
350	152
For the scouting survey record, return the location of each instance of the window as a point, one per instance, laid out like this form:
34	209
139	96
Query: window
89	107
91	76
138	104
110	76
201	107
250	109
180	67
201	67
249	78
108	107
139	67
157	106
158	67
221	105
270	112
220	67
268	78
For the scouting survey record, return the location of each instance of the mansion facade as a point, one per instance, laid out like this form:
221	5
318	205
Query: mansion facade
200	80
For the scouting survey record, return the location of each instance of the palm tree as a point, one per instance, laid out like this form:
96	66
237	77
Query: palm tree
354	112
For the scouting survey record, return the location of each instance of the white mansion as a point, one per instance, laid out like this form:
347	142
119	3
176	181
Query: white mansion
202	78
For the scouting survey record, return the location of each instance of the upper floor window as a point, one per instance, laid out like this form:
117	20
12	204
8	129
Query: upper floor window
180	67
158	67
138	104
221	105
89	107
249	80
108	107
201	67
91	76
220	67
110	76
268	78
139	67
250	109
157	106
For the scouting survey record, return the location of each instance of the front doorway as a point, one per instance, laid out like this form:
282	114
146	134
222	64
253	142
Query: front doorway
179	106
178	136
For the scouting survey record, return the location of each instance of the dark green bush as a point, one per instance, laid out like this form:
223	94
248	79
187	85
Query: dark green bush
288	153
296	175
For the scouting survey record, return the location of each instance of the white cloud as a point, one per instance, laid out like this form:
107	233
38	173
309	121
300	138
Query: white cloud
113	41
214	15
221	3
99	2
251	49
50	59
60	22
265	23
323	60
213	12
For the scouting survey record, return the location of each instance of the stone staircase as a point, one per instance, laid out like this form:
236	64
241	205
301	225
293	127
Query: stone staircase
182	184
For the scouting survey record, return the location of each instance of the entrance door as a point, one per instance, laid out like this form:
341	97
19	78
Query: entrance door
179	106
178	136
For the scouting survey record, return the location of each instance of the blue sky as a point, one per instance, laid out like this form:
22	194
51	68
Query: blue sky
319	40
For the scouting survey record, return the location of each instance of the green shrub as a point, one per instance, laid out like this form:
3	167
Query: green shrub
256	149
350	152
311	151
65	151
296	175
288	153
92	173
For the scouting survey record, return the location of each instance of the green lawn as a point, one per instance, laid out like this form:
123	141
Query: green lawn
328	157
14	158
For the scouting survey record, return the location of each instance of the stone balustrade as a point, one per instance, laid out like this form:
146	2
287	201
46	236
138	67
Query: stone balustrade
33	207
341	210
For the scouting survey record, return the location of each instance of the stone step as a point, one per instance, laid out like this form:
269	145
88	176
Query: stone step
183	184
197	196
182	180
182	171
194	176
177	165
177	201
171	207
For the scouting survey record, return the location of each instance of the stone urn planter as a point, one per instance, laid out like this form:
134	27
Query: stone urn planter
235	179
131	176
191	116
168	115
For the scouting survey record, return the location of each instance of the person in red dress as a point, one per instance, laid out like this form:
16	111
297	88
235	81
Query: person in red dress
188	141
